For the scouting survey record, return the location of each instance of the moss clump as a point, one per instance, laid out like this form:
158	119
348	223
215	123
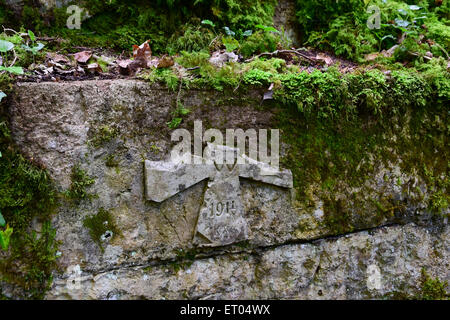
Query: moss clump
26	194
165	75
103	135
432	289
336	217
101	227
111	161
184	259
80	181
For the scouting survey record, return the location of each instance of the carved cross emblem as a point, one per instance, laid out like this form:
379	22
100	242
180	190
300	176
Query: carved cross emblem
221	218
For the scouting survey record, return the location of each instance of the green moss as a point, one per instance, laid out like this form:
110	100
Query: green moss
111	161
80	181
103	135
184	259
336	217
429	289
433	289
26	194
165	75
190	38
260	42
101	227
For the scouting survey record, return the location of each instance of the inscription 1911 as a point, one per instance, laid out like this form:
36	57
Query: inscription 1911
217	209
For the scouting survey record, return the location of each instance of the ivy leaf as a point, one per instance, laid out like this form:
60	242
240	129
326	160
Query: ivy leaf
208	22
5	45
38	47
247	33
2	220
229	32
35	49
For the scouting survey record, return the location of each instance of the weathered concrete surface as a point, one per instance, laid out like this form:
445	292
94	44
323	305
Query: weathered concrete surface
364	265
60	125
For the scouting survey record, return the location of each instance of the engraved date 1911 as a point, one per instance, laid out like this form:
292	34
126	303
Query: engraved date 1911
217	209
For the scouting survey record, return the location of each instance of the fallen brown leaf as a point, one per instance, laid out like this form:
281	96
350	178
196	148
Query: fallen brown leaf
83	56
58	58
142	51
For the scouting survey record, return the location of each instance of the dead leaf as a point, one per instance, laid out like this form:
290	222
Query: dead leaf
124	66
142	51
83	56
94	67
327	59
165	62
124	63
56	57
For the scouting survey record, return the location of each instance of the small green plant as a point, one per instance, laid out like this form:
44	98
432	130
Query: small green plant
5	235
177	116
230	43
174	123
35	46
5	47
80	181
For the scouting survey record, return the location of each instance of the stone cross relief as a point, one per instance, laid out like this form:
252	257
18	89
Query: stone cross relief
221	218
